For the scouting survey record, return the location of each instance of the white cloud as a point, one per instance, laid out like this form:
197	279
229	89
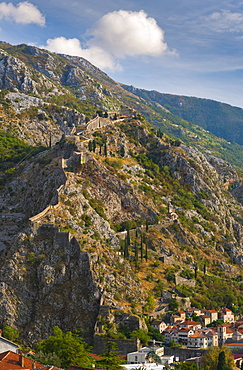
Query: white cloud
23	12
114	36
94	54
126	33
226	21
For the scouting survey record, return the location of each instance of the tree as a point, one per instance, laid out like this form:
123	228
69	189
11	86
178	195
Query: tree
186	366
110	359
141	255
210	360
47	358
69	348
10	333
153	357
142	335
173	305
221	361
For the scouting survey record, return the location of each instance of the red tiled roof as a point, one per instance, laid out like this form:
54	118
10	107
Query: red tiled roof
234	344
197	335
186	330
190	322
11	360
229	331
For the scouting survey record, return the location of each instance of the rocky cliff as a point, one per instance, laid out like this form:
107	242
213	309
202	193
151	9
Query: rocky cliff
108	215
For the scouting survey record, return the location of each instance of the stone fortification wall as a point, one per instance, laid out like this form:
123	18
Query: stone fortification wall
96	123
184	353
48	208
182	281
124	346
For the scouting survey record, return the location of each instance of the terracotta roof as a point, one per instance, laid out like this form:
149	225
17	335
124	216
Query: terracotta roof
11	360
190	322
229	331
186	330
197	335
234	344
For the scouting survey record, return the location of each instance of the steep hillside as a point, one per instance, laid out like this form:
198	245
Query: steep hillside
105	213
221	119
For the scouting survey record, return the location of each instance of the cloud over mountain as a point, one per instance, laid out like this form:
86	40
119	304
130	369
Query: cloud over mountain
23	12
116	35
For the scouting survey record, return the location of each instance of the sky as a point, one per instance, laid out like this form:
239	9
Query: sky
182	47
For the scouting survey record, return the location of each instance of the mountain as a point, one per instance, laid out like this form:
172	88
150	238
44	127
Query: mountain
223	120
100	210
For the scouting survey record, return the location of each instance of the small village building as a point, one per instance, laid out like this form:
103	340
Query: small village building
140	356
197	340
167	360
183	335
159	325
178	316
193	310
226	315
14	361
224	333
190	324
7	345
205	320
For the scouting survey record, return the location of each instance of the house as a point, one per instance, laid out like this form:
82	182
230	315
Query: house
226	315
190	324
212	314
183	335
14	361
159	325
7	345
205	320
193	310
140	356
178	316
166	360
224	332
170	333
198	340
212	337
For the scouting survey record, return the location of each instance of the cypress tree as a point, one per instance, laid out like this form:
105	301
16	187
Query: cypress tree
105	150
221	361
94	145
141	249
128	237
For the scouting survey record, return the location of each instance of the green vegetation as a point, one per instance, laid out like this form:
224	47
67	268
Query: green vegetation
10	333
68	347
13	150
110	360
214	360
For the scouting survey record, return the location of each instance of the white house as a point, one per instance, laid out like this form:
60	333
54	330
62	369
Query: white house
140	356
197	340
226	315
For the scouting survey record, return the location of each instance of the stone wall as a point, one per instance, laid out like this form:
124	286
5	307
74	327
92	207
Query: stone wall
96	123
123	346
182	281
184	353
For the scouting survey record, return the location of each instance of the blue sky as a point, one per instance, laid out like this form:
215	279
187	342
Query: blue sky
184	47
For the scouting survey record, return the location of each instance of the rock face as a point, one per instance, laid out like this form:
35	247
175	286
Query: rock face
47	281
95	227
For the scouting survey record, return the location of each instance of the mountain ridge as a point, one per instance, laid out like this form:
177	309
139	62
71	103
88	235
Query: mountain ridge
107	214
